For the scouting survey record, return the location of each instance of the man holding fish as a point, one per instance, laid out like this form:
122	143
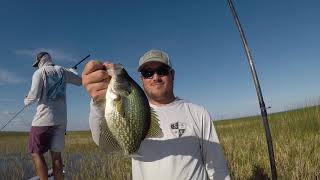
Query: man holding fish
167	137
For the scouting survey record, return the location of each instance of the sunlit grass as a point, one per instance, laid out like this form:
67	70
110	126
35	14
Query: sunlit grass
82	159
296	140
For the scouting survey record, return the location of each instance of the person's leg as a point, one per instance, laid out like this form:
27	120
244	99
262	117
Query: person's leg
57	165
38	144
40	165
57	146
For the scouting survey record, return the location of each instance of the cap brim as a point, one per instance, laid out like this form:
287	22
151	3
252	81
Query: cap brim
151	61
35	64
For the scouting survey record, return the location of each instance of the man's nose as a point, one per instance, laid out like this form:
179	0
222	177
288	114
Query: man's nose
156	77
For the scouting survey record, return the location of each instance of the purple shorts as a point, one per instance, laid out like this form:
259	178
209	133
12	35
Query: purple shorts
44	138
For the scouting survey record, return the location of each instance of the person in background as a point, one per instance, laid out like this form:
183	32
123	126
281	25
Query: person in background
190	147
49	124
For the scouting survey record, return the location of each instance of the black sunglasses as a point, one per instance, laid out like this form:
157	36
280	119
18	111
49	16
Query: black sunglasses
161	71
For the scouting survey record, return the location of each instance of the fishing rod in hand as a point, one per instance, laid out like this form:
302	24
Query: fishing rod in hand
263	108
17	113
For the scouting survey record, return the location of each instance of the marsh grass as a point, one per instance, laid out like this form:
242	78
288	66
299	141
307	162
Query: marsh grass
296	140
82	159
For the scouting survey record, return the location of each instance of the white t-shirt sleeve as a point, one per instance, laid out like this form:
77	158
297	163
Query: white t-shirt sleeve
95	118
212	152
73	77
35	90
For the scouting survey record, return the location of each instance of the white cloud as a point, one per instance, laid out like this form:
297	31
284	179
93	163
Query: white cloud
57	55
7	77
5	113
7	100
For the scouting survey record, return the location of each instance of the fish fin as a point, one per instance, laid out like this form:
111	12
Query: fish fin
154	130
107	142
135	155
120	107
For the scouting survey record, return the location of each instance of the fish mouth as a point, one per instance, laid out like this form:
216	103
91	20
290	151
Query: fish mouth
120	86
117	70
119	83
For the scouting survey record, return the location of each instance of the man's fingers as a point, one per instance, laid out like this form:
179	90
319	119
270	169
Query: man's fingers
95	77
97	91
91	88
99	95
92	66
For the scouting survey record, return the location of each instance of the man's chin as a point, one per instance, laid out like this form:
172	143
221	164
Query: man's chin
156	95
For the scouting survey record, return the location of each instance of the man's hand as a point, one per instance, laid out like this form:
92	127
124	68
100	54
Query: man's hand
25	101
95	79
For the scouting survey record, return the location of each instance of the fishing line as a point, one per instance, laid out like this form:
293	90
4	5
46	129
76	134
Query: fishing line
16	114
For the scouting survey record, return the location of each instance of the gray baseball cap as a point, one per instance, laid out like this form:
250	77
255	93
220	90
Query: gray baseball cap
38	58
154	56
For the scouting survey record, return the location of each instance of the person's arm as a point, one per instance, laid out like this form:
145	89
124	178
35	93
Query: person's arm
73	77
35	90
212	152
95	80
95	118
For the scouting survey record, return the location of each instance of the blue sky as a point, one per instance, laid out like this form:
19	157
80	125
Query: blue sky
199	36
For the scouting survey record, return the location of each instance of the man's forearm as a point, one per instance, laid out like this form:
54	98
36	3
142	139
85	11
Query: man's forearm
95	118
29	100
35	90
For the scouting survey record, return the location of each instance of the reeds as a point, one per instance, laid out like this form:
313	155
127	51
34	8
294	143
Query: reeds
296	141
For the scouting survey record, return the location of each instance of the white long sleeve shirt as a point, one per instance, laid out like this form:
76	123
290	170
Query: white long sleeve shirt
49	89
189	149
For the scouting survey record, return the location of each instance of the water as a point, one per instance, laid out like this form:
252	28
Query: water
14	165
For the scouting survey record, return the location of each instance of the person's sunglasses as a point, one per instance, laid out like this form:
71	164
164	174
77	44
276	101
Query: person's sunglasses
161	71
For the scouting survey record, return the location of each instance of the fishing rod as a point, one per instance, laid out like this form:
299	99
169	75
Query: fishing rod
75	66
17	113
263	108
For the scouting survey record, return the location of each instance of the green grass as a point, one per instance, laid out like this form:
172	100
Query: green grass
296	141
82	159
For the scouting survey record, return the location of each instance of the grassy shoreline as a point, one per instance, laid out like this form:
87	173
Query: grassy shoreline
296	141
296	137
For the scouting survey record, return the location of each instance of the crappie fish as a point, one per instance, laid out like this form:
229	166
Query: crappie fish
128	116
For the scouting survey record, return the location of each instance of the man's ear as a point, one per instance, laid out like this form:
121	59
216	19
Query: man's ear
172	74
141	79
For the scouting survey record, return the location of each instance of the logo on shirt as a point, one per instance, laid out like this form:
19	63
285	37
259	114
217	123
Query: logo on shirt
178	128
